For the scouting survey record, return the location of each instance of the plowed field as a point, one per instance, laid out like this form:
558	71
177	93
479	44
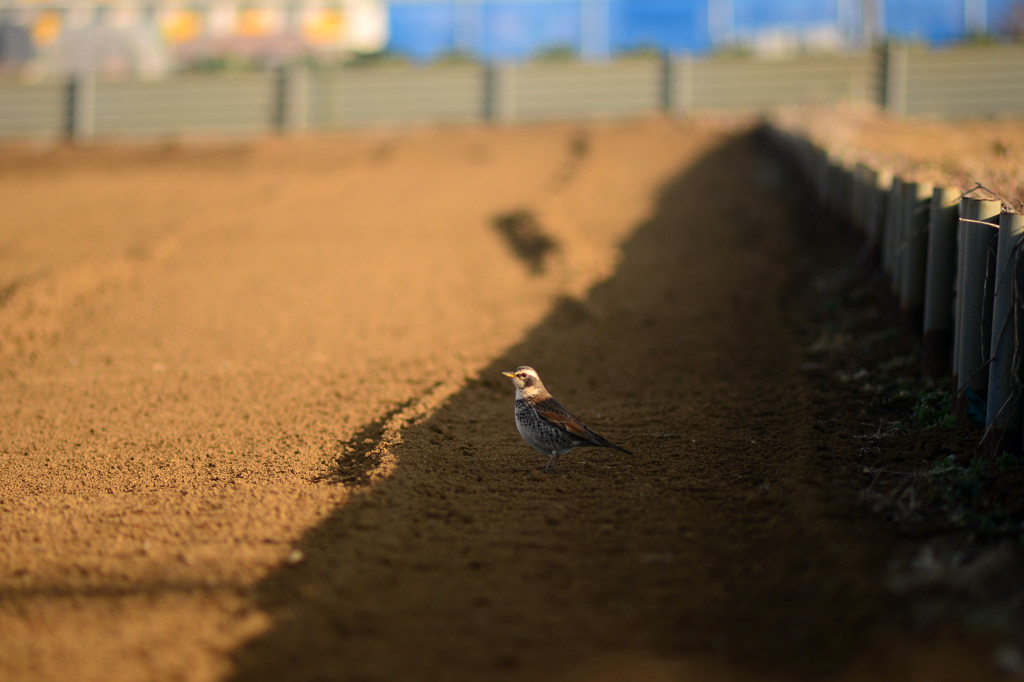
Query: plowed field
254	427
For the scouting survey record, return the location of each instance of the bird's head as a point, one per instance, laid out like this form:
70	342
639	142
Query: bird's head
526	380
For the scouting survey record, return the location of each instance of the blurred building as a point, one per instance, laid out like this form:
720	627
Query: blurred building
147	37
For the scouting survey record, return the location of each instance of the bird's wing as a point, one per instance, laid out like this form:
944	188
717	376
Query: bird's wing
552	411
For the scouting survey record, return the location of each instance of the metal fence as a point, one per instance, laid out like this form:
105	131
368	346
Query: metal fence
744	85
952	266
965	81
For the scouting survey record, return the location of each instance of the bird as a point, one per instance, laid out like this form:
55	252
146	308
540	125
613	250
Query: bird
544	424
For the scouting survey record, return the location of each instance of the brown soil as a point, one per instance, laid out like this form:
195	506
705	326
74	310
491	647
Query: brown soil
254	425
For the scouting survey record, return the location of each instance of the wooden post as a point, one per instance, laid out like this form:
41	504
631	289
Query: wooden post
1003	414
937	341
914	254
974	305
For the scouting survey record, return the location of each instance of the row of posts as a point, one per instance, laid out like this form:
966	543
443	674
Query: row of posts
953	273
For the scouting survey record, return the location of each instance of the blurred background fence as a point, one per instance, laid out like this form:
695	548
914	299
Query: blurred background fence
899	79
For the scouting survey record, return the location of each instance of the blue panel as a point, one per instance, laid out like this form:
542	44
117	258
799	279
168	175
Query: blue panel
998	13
932	21
668	25
517	30
750	16
421	30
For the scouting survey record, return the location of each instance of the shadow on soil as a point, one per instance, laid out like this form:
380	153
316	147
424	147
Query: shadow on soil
721	549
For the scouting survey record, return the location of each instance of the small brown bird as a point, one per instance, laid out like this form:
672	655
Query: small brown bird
544	424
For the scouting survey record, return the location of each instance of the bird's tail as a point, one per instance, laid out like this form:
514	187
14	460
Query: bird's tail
600	441
605	443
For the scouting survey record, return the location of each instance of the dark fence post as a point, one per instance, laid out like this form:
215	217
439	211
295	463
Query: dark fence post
891	240
937	341
501	93
667	83
822	175
878	189
80	107
1003	416
862	176
914	256
683	88
279	102
290	103
489	105
974	305
835	188
68	118
299	99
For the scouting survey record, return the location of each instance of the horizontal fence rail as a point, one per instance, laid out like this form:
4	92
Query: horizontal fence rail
188	104
901	80
967	81
33	110
954	275
394	96
586	90
747	85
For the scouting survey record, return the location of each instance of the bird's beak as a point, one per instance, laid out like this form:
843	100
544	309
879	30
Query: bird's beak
508	374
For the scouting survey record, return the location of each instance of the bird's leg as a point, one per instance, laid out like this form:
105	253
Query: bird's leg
550	467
